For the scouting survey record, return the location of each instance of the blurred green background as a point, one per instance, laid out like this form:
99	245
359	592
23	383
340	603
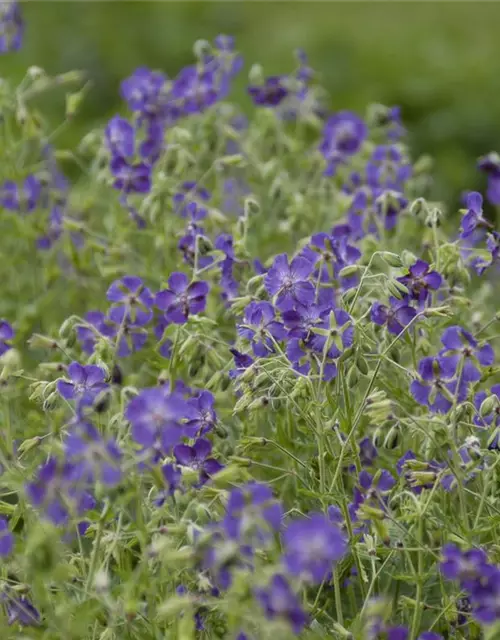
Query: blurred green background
439	61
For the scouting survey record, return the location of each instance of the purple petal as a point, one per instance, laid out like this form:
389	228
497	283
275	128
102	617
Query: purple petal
420	392
76	372
178	282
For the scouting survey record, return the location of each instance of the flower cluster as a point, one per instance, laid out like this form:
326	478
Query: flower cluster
254	413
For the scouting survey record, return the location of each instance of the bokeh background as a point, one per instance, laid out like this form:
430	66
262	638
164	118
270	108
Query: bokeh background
440	61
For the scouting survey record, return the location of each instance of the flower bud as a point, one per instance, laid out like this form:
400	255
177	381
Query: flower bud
350	270
488	406
392	259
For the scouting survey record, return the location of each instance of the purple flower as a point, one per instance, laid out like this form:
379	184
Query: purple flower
252	509
252	516
421	281
57	493
473	219
465	566
11	26
343	135
397	316
490	164
279	601
182	299
301	320
477	577
191	194
197	457
370	496
144	91
289	282
120	137
22	199
260	326
242	361
325	342
493	247
156	415
203	416
85	384
6	538
271	93
367	452
92	457
430	635
435	389
19	608
6	335
130	178
340	334
132	301
387	169
173	478
462	349
312	546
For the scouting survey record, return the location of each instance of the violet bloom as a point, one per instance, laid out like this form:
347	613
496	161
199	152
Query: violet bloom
343	135
198	457
182	299
190	193
11	26
143	91
302	320
387	169
203	416
6	538
372	493
229	285
198	87
430	635
97	326
85	384
335	249
289	282
130	178
242	362
252	511
271	93
279	601
493	247
120	137
57	494
367	452
6	335
172	476
22	199
436	386
132	301
421	281
312	546
156	415
461	351
340	329
194	245
93	458
260	326
19	608
473	219
252	517
397	316
490	165
465	566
